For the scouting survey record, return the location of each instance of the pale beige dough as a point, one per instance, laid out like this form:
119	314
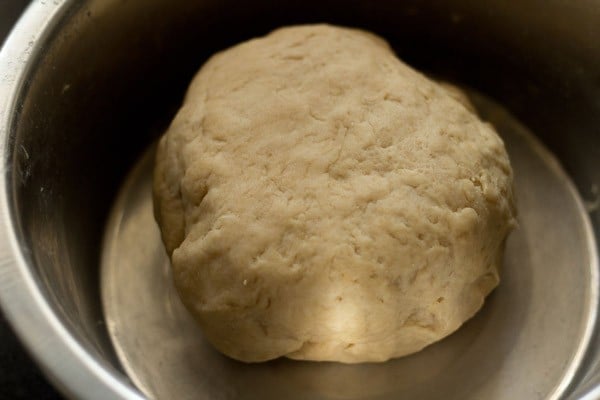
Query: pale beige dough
321	200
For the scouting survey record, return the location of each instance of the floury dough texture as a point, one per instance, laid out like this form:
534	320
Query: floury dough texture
321	200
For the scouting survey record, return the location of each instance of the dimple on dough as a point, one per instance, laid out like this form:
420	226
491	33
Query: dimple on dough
321	200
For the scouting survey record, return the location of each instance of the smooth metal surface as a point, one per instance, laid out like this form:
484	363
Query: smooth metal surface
87	85
526	343
73	369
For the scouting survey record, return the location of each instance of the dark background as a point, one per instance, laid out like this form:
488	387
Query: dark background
20	378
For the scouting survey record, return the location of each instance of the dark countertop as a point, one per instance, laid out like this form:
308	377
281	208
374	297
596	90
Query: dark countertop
20	378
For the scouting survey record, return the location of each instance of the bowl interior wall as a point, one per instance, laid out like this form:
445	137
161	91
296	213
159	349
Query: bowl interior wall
112	74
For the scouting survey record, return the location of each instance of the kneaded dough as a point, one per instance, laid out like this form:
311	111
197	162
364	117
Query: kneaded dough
321	200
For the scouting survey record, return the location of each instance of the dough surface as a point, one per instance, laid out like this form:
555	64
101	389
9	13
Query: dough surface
321	200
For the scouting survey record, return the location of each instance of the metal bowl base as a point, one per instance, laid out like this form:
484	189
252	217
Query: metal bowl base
526	342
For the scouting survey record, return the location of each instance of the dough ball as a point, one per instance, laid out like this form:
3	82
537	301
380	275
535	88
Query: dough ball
321	200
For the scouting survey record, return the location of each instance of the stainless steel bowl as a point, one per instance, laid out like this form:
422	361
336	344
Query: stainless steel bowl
87	86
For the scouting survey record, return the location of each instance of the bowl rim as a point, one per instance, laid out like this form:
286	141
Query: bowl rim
68	365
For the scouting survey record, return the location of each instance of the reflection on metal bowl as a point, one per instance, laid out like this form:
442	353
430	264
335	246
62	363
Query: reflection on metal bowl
87	86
